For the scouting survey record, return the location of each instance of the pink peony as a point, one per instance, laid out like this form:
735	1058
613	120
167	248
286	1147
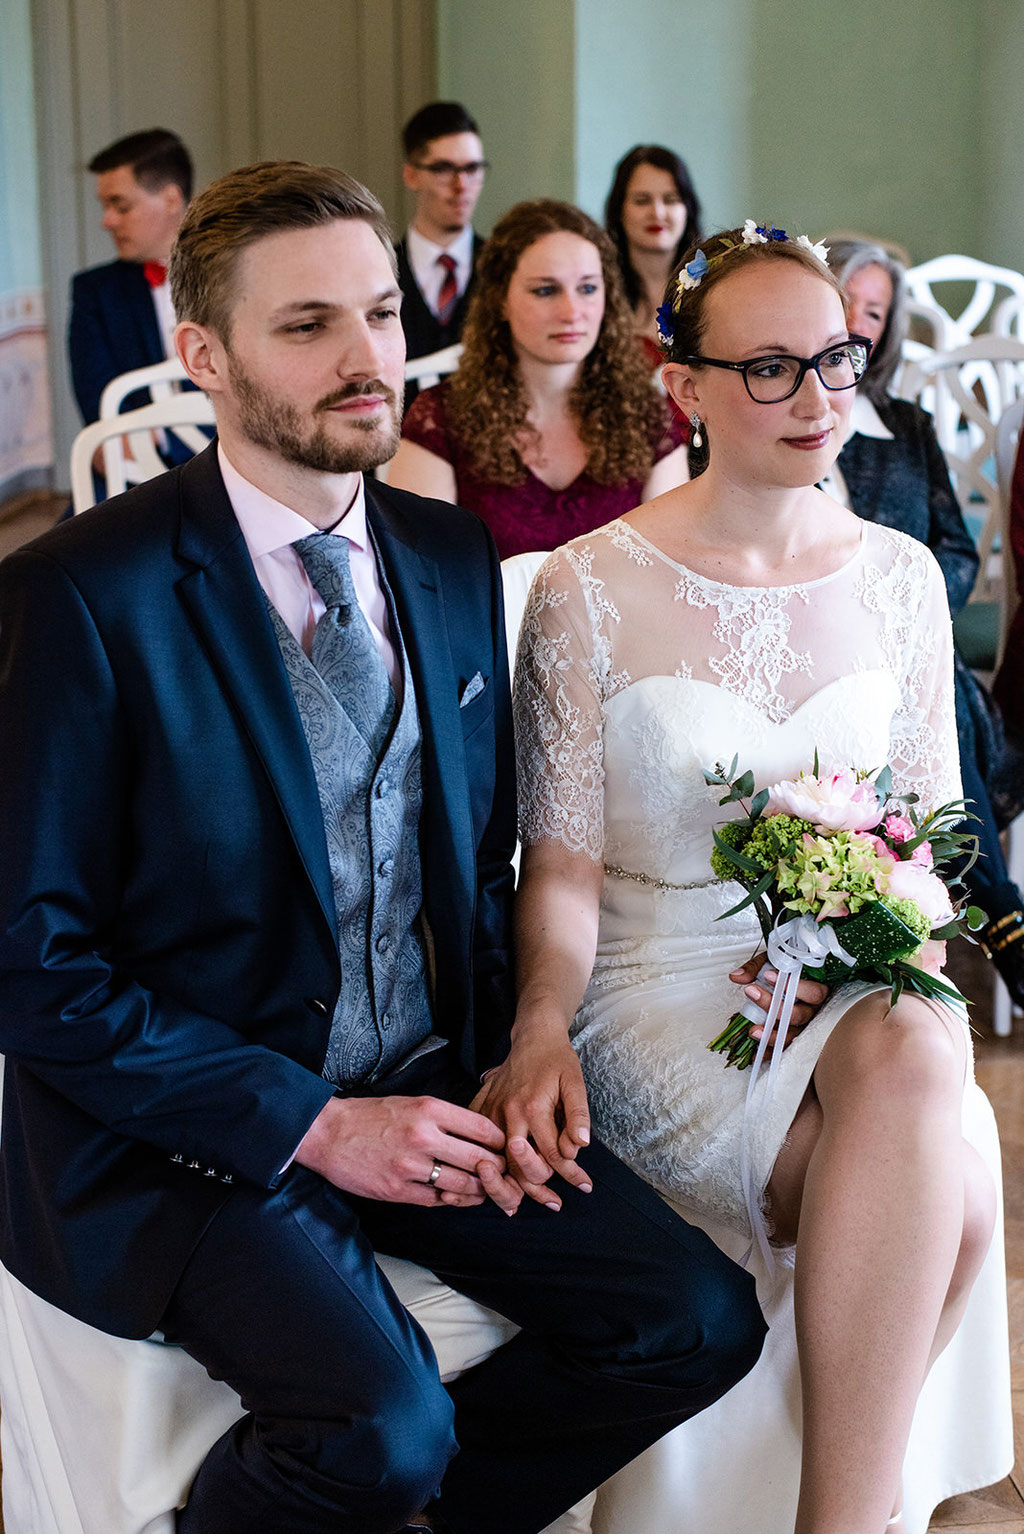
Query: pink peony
911	881
922	855
899	828
836	801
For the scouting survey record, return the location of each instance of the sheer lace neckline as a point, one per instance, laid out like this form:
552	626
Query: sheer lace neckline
712	583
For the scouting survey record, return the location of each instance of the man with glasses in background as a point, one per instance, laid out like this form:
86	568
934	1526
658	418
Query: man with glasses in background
444	167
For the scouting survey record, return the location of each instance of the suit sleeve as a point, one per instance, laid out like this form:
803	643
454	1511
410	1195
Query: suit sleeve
143	1064
93	363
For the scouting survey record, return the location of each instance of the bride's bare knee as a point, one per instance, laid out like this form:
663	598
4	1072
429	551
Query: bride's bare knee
911	1052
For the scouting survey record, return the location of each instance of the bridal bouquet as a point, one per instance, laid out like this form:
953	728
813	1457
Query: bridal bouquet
843	875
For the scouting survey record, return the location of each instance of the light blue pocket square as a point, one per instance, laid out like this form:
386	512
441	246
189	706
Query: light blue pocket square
473	688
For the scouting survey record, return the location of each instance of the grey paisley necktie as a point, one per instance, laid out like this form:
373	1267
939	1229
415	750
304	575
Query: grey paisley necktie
344	650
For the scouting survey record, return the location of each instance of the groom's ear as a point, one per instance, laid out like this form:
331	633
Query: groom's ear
682	386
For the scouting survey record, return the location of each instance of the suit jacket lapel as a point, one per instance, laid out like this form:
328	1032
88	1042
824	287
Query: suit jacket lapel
227	606
416	586
140	305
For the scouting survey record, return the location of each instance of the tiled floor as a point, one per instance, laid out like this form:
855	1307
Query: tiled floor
1000	1067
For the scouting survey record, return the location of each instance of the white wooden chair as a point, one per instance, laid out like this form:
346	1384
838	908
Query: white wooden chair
161	380
972	386
989	285
175	413
429	370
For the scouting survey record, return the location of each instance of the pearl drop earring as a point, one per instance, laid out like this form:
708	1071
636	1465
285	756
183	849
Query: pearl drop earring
696	440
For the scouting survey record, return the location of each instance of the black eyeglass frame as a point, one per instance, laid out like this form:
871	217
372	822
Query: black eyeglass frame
448	168
805	366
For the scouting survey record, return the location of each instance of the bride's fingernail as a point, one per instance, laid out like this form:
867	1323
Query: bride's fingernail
752	992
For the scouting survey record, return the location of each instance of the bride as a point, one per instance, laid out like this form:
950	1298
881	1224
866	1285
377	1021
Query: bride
748	614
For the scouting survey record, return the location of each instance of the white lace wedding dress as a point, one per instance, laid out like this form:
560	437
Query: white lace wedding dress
633	675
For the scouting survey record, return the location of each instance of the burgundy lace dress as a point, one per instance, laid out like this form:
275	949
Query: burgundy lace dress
531	515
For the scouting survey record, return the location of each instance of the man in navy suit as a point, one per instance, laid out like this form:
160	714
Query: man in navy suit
221	1092
444	167
121	313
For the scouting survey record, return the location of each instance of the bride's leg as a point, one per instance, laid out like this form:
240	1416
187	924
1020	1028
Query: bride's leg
894	1220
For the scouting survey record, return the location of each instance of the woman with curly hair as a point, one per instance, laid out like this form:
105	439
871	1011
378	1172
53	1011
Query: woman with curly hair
652	214
550	427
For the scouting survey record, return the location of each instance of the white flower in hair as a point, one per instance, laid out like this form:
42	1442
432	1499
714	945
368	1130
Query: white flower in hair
752	235
820	250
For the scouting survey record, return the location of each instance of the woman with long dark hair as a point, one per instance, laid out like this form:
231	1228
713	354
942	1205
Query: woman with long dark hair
652	214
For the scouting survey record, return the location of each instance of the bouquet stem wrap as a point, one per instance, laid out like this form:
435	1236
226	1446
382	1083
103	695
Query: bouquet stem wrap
791	945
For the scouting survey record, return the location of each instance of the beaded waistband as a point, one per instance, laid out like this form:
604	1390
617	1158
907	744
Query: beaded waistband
659	884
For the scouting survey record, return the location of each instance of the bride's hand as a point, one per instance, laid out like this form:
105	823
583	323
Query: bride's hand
809	995
538	1099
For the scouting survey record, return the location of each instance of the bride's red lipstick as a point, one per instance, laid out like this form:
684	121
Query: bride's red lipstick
809	444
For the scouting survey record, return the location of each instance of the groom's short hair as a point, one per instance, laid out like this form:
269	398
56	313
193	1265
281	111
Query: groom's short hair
246	205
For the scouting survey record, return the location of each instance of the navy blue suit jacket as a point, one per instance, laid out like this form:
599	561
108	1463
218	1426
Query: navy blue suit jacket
112	329
168	959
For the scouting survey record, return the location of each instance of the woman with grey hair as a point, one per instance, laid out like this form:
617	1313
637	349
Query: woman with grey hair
892	470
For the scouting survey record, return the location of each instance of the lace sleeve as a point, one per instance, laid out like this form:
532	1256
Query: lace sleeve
925	755
557	701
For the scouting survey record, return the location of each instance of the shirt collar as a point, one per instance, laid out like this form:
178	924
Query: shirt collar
268	525
425	252
865	420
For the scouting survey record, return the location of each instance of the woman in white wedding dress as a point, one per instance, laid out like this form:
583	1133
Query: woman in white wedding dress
747	614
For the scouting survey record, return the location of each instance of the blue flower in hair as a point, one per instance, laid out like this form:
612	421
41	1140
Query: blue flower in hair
665	321
693	273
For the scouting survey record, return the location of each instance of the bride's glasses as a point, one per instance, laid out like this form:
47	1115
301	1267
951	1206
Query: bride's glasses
772	379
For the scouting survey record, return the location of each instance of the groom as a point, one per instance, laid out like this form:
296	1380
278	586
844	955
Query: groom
257	811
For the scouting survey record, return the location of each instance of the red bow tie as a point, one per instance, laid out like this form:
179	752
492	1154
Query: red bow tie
155	273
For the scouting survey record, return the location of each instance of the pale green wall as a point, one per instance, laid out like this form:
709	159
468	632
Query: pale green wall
20	257
669	72
511	63
902	118
1001	109
865	116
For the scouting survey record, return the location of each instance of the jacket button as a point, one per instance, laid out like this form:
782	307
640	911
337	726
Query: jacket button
316	1005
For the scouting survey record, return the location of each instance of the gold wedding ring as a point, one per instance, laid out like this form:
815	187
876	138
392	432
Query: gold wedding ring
435	1173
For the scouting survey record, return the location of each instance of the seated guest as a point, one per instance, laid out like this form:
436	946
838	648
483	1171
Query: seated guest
244	1028
652	214
121	312
551	426
444	167
892	470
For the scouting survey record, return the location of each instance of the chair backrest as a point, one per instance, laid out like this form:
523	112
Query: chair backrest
987	282
517	572
171	414
161	380
427	371
1007	442
973	386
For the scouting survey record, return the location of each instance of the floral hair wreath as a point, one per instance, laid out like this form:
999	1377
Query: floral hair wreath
694	272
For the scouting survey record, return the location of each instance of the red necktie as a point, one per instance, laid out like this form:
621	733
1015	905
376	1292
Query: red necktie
155	273
449	289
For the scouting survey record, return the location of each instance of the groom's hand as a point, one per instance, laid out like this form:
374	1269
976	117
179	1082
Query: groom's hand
809	995
405	1150
538	1099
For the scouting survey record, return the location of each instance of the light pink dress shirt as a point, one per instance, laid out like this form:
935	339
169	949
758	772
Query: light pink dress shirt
270	529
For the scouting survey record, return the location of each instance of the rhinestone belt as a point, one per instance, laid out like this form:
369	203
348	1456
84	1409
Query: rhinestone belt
659	884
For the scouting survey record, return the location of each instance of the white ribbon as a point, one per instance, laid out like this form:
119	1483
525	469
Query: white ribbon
791	945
